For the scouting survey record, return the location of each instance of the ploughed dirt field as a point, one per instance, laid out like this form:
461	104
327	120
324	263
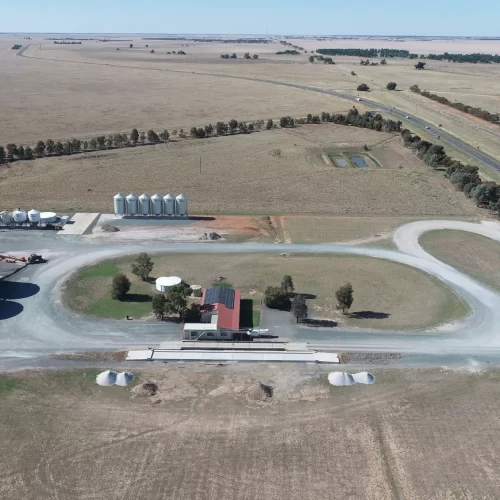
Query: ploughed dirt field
473	254
387	295
214	432
279	171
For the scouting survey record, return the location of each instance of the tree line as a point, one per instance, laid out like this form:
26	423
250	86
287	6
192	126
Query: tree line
66	43
288	52
466	58
325	60
284	298
480	113
13	152
368	53
464	177
16	46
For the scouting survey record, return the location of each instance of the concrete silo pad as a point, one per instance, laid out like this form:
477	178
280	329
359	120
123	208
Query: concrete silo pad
78	224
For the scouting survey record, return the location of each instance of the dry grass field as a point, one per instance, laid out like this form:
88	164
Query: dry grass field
473	254
110	90
417	435
387	295
280	171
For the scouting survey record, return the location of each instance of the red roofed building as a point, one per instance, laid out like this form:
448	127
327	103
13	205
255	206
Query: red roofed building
221	306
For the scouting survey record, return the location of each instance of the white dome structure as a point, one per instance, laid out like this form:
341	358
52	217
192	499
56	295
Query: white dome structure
6	217
119	204
19	216
169	204
181	205
34	216
124	378
165	282
132	204
341	379
363	378
156	204
106	378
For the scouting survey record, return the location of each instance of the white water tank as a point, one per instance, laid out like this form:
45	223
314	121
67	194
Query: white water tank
6	217
132	203
19	216
165	282
119	204
181	205
169	204
144	202
48	217
34	216
156	204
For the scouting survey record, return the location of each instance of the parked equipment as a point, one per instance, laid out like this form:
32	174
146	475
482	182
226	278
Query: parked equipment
36	259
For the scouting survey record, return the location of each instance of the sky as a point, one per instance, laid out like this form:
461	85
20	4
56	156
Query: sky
320	17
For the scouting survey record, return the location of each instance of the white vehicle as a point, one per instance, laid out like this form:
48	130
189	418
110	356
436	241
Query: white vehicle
358	98
427	127
407	117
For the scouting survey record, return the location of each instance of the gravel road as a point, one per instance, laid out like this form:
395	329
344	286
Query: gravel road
34	324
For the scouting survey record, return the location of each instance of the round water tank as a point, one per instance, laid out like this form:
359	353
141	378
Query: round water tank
156	204
169	204
181	205
144	202
165	282
48	217
34	216
19	216
6	217
196	290
119	204
132	203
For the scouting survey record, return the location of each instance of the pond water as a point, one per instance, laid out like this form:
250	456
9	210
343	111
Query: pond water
359	161
340	162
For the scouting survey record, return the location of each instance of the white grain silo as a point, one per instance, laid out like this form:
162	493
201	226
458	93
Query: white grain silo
48	217
34	217
19	216
156	204
119	204
132	203
169	204
6	217
181	205
144	204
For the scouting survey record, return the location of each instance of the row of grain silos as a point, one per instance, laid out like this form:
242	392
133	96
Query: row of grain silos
168	205
33	217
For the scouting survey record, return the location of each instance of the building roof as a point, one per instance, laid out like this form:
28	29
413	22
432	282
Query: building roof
226	301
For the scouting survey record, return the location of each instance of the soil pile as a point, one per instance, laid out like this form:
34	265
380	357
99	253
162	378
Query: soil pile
108	228
106	378
145	390
261	392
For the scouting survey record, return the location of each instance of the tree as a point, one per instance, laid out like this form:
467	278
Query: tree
164	136
20	152
143	266
486	194
2	154
269	124
200	133
363	87
134	136
311	59
233	125
242	126
93	144
143	137
209	129
153	136
159	302
28	153
391	86
109	142
131	46
59	148
256	56
247	55
353	73
49	144
120	286
76	144
85	145
176	299
383	62
11	150
276	298
101	140
233	56
344	297
152	51
221	128
40	148
420	65
299	307
67	148
287	284
284	121
309	118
